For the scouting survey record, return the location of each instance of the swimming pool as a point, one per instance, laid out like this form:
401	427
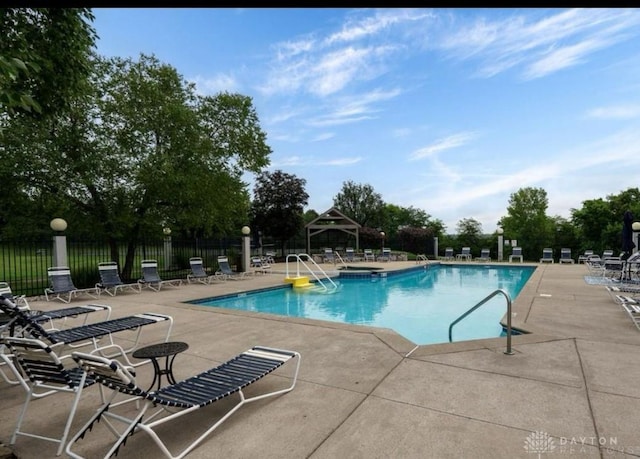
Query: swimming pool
418	303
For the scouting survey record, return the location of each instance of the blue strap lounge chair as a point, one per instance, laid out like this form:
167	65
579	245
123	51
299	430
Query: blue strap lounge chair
175	401
62	287
110	281
260	266
151	278
516	252
385	255
565	256
45	374
198	273
448	254
465	254
225	272
547	255
485	255
88	334
328	256
368	255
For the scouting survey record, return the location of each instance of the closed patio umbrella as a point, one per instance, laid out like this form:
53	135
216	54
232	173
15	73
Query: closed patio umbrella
627	234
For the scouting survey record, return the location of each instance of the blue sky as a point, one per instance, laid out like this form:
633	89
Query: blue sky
446	110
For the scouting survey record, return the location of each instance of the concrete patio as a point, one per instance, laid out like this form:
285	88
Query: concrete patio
573	381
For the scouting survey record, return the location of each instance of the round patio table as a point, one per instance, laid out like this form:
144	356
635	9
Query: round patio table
153	352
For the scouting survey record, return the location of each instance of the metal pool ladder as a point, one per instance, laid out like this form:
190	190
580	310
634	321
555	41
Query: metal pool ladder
300	260
491	295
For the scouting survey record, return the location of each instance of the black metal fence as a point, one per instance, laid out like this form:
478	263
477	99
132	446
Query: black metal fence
24	264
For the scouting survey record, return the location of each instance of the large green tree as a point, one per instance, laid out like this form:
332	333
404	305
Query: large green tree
527	221
138	151
278	203
44	57
361	203
599	221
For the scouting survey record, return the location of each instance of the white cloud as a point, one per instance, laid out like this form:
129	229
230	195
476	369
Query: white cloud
615	112
447	143
219	83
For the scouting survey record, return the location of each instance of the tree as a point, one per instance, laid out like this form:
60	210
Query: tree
527	221
44	57
599	221
360	203
470	234
139	151
415	240
278	202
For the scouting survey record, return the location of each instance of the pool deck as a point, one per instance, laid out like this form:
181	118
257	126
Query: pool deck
575	380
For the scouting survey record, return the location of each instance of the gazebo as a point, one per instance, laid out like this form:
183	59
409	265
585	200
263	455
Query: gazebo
332	219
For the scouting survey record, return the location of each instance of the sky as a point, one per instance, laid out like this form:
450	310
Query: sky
450	111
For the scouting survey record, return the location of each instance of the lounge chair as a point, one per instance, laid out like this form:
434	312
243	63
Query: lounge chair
448	254
87	334
516	253
607	254
46	375
225	272
368	255
328	256
62	287
565	256
270	257
633	310
174	401
465	254
198	273
151	278
585	256
349	255
110	281
260	266
385	255
613	267
20	300
485	255
547	255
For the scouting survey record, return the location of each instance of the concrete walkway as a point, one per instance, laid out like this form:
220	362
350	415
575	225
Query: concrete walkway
571	388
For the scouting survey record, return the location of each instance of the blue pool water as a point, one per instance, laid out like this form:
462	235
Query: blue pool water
419	304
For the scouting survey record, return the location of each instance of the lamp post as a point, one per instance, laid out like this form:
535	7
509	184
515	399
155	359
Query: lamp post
500	232
168	249
59	242
636	230
246	247
382	238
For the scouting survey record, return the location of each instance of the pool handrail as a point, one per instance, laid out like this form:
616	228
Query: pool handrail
299	260
491	295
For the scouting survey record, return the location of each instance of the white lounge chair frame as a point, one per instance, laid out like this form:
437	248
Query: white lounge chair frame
465	254
151	278
547	255
485	255
62	287
46	375
516	253
368	255
89	334
225	272
110	281
176	400
198	273
565	256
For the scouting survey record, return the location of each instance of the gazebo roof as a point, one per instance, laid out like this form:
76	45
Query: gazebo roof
332	217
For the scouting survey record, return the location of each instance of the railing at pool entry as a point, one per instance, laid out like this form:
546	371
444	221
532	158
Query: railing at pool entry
298	280
491	295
